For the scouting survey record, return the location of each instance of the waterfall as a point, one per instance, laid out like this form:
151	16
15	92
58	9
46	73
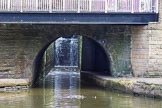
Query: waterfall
66	52
74	52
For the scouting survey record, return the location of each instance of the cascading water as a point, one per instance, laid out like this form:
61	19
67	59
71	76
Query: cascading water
74	52
66	52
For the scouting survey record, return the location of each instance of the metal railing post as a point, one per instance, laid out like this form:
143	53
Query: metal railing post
78	6
106	4
36	5
21	6
50	6
63	5
132	6
157	6
90	5
8	5
151	6
116	5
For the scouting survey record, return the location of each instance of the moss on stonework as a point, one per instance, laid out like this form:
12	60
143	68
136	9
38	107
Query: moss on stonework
125	82
155	87
133	86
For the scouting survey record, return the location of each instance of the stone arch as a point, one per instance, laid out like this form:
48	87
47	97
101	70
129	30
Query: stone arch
21	44
36	69
98	63
37	62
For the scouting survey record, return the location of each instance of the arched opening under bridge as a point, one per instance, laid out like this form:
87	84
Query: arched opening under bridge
90	56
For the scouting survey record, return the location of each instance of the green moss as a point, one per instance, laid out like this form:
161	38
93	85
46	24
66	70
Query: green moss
155	87
125	82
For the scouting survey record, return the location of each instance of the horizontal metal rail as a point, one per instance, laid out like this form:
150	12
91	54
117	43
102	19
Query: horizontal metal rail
79	6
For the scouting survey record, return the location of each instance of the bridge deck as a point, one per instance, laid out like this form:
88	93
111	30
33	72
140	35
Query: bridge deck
82	18
79	11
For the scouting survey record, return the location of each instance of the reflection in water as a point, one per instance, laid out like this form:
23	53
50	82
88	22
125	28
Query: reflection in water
62	90
66	88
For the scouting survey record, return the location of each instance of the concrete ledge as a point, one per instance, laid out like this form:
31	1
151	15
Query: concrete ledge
150	87
14	82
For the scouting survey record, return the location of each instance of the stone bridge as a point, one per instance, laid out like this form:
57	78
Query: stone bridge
128	49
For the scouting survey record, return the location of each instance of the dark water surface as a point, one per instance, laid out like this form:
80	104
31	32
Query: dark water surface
63	90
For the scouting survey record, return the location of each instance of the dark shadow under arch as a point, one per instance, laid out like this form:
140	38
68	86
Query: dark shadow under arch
37	63
94	58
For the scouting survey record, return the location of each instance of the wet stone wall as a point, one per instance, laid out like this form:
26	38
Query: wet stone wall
117	42
19	46
47	61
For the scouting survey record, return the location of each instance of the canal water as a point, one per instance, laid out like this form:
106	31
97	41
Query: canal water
65	90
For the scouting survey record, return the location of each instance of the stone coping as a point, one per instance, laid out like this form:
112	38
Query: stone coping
14	82
150	87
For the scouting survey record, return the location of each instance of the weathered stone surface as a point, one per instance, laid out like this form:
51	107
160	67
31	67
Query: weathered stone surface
150	87
146	48
21	44
130	48
14	82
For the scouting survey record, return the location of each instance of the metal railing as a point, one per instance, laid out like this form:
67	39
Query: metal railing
79	6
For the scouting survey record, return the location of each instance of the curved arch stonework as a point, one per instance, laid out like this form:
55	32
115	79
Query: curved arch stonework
95	58
21	44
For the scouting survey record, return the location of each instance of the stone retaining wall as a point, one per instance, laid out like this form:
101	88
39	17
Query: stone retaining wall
14	84
136	86
147	48
22	45
131	48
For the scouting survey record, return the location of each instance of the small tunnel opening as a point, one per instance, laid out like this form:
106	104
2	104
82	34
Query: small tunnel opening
94	58
85	54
